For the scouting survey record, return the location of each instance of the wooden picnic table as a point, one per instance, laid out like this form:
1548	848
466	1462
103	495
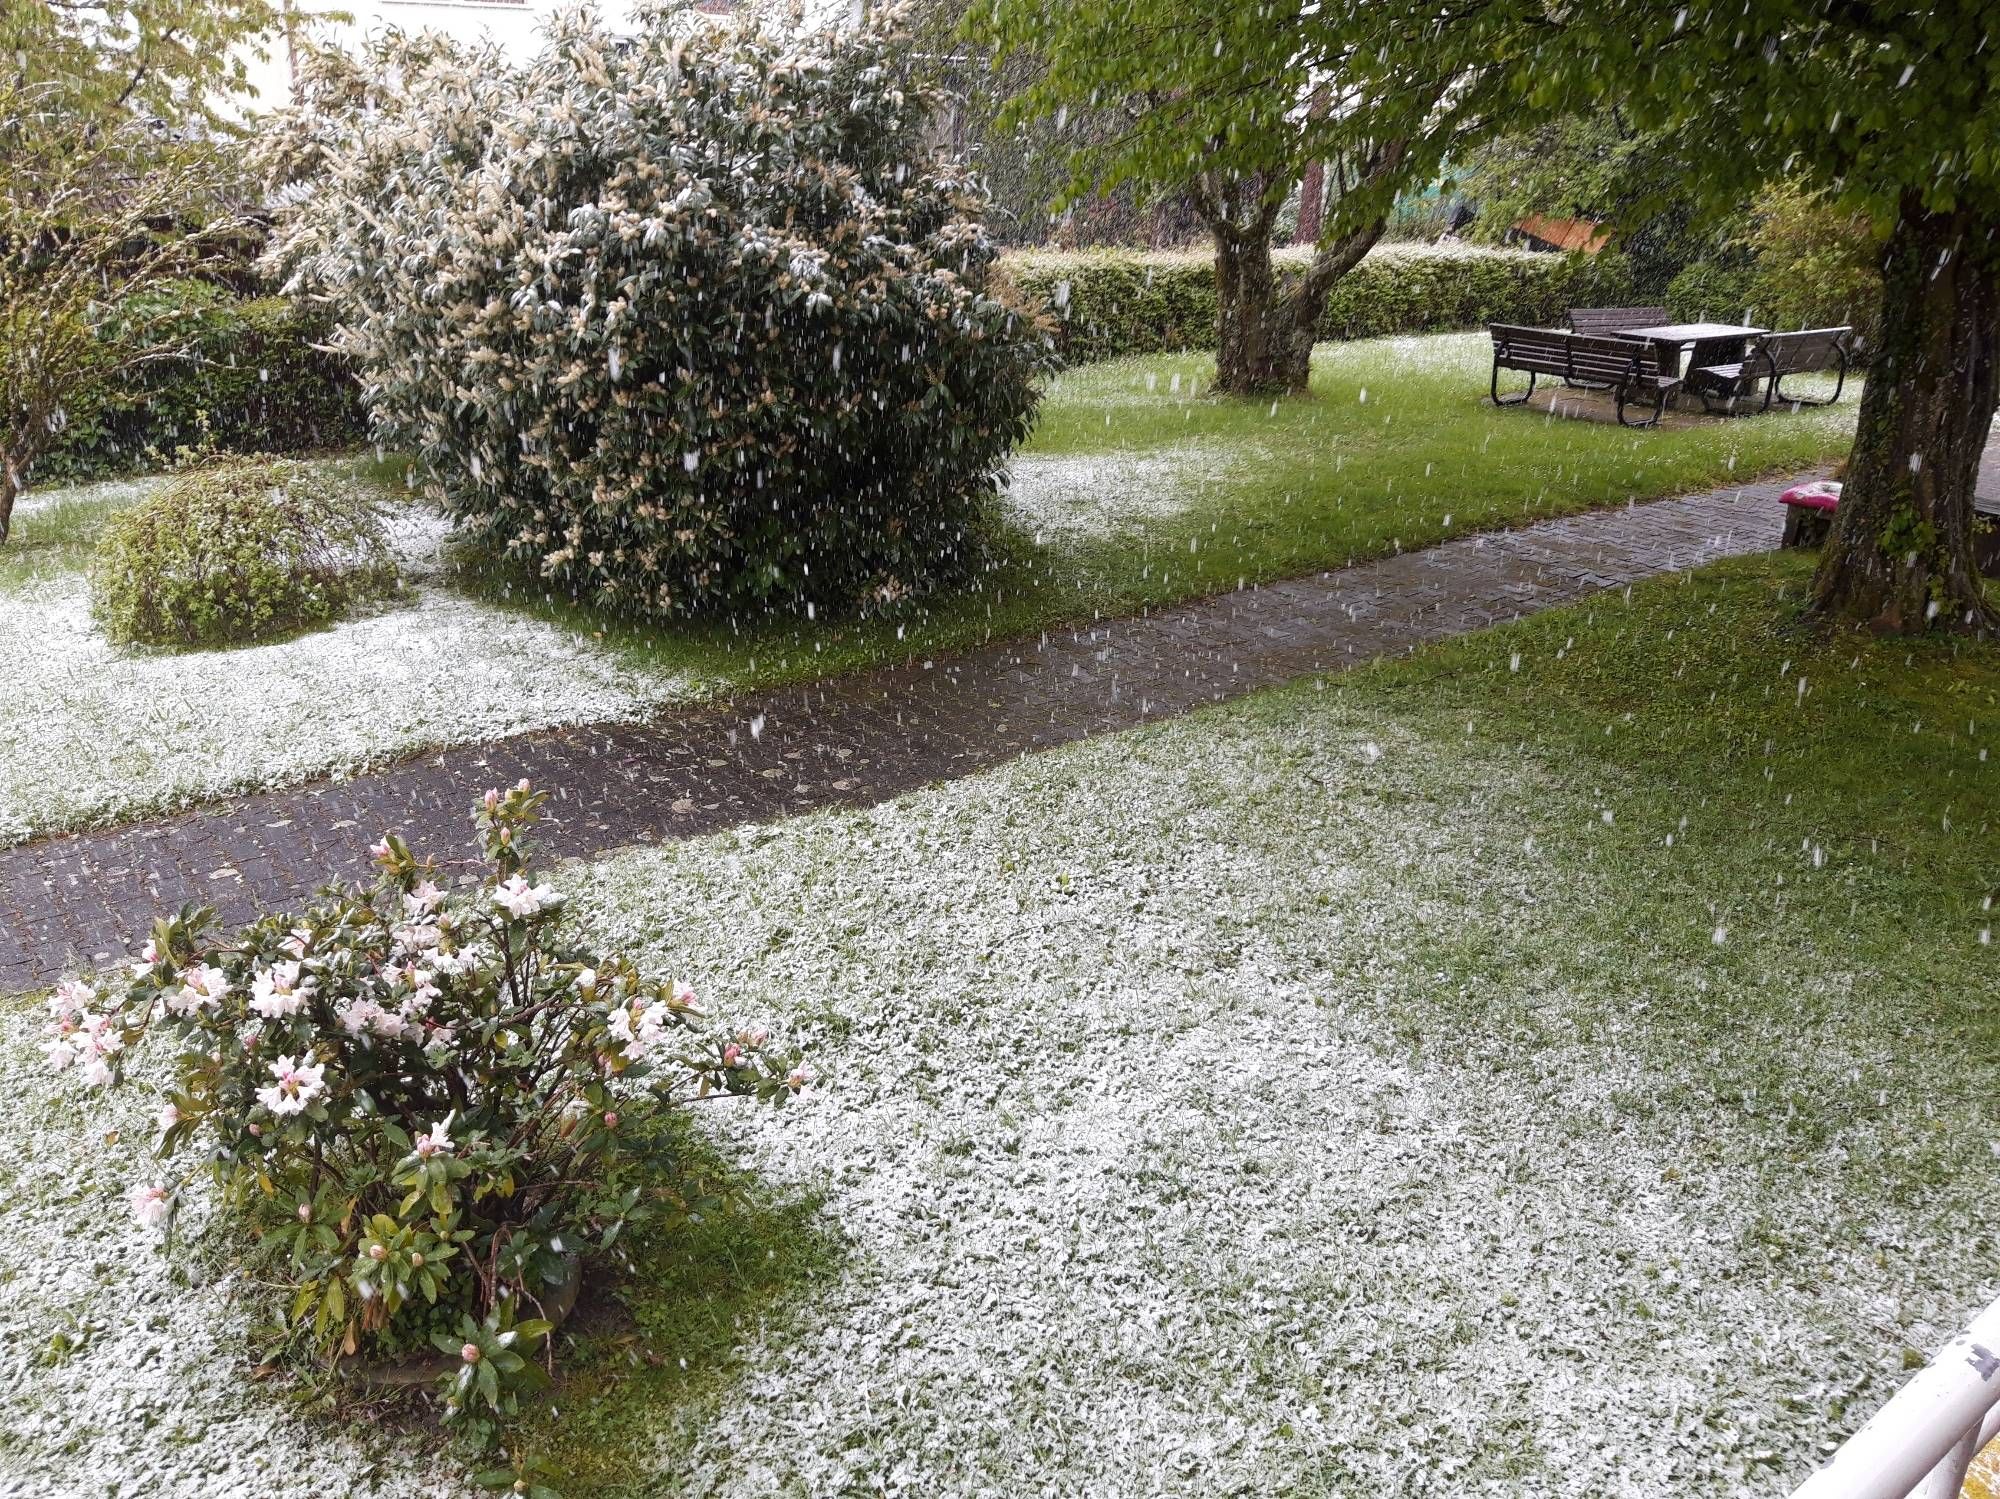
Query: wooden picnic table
1713	343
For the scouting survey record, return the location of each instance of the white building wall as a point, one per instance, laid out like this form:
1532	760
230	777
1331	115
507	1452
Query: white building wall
514	24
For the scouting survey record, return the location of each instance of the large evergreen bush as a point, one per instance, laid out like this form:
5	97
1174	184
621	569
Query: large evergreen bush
685	319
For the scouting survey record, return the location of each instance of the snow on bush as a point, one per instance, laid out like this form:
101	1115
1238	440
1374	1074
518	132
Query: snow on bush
421	1107
238	552
685	320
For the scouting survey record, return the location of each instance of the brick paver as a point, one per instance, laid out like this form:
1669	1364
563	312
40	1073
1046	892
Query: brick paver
80	899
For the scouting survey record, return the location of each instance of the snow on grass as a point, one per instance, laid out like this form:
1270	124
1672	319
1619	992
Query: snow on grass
90	732
1233	1107
1171	1144
120	1376
101	494
1061	497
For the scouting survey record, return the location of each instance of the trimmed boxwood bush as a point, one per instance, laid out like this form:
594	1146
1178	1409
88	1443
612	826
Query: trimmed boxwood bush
1117	302
689	320
238	552
249	380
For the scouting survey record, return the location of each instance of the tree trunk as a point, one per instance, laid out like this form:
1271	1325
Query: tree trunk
1249	342
1264	334
1900	555
13	482
1312	198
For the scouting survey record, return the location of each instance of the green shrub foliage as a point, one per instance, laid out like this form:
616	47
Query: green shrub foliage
1113	302
1799	261
245	375
417	1108
688	322
238	552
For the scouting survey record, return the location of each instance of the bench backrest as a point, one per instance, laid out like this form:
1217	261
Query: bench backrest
1550	351
1808	349
1594	322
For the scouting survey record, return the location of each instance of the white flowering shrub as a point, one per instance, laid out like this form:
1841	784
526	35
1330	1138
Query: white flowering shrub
686	319
425	1107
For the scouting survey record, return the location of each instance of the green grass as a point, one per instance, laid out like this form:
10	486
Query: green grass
1828	801
54	534
1395	447
662	1337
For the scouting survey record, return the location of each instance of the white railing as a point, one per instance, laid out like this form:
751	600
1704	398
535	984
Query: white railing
1920	1444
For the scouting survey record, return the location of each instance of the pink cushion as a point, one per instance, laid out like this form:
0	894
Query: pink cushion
1820	494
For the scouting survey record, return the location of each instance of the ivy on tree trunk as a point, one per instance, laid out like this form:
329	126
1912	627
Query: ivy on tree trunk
1900	556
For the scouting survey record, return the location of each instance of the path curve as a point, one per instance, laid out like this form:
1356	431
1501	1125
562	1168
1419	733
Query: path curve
81	900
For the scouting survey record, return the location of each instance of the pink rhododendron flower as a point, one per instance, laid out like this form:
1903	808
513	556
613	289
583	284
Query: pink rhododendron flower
521	900
639	1027
202	988
298	1084
168	1117
280	990
150	1204
437	1141
423	900
71	996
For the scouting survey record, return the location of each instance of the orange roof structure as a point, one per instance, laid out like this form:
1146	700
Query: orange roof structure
1564	234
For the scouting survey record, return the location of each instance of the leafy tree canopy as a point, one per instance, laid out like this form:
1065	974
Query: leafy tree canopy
1873	98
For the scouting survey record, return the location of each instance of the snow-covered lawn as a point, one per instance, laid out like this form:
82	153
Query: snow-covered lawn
1060	497
91	732
1292	1099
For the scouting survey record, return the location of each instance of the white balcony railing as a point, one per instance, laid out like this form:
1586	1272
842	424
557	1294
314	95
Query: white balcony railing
1920	1444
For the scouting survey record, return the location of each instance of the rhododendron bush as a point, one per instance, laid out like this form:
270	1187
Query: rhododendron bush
685	318
426	1106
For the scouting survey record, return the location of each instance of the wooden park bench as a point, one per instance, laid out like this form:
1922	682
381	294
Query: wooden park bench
1606	322
1630	369
1609	322
1770	358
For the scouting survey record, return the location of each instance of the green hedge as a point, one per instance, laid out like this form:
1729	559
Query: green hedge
251	382
1113	302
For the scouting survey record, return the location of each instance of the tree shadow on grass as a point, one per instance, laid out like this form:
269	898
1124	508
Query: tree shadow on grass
653	1349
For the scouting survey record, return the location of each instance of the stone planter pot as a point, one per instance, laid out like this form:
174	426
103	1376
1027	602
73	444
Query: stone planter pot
428	1368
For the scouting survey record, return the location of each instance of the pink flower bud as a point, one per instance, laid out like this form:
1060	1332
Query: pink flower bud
731	1054
377	1252
492	799
611	1119
380	851
305	1212
470	1353
416	1260
523	786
